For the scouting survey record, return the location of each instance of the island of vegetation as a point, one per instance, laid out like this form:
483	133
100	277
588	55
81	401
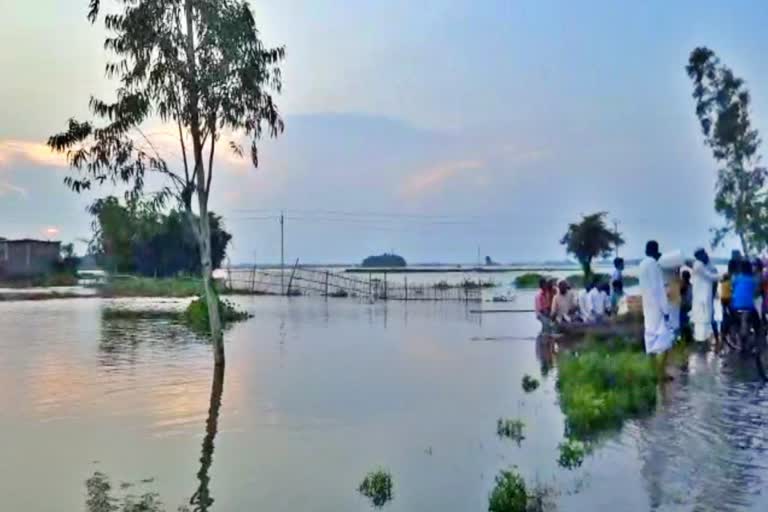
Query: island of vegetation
385	260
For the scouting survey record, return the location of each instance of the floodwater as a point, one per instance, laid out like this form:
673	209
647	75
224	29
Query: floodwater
317	393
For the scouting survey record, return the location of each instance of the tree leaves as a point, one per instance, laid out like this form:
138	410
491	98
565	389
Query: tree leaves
590	238
722	106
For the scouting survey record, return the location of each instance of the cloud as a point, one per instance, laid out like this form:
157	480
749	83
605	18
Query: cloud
10	188
12	151
435	177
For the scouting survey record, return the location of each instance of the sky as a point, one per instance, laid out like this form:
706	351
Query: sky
437	129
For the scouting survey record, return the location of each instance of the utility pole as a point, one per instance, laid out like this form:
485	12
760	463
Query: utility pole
282	252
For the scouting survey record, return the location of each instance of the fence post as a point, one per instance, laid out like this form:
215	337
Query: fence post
229	276
253	279
386	290
370	286
406	287
326	284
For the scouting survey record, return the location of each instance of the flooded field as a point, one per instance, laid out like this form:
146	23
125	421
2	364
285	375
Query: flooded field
316	394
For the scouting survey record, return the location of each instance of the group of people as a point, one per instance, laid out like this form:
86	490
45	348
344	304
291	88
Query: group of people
557	302
683	302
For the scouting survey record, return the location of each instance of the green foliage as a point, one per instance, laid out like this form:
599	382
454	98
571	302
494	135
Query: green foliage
722	106
196	314
572	453
603	383
512	429
149	287
385	260
529	280
591	238
377	486
529	384
137	237
509	494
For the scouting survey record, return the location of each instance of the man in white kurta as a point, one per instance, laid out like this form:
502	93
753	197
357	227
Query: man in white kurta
658	335
702	311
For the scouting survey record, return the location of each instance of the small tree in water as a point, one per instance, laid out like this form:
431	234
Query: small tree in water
722	106
591	238
200	67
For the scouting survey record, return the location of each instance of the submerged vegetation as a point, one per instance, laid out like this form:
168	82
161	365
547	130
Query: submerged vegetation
509	494
196	314
603	383
572	453
529	383
377	486
530	280
512	429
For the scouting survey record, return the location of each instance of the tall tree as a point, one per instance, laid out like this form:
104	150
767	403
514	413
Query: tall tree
589	239
722	106
198	65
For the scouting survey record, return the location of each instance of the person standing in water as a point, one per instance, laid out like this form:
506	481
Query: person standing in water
658	335
618	271
702	311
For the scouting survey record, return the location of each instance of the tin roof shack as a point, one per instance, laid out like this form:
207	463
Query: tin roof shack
27	258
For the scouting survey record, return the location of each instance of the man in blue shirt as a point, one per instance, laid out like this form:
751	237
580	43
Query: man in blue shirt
743	298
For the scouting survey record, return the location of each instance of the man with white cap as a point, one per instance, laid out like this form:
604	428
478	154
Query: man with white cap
658	335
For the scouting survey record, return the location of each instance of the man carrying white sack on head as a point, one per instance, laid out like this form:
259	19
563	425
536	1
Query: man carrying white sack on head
670	263
658	335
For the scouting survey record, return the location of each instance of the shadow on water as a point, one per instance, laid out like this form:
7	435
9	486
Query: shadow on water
201	500
115	348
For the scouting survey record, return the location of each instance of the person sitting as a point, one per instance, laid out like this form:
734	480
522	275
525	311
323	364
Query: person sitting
744	288
543	302
605	295
585	304
564	306
597	302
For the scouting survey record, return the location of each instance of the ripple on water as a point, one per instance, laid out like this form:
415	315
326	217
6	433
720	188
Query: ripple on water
706	446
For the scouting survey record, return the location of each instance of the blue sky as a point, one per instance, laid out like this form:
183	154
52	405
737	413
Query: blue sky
459	124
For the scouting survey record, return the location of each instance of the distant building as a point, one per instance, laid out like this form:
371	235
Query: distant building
27	258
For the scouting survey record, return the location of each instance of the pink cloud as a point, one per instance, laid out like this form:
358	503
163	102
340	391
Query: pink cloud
435	177
12	151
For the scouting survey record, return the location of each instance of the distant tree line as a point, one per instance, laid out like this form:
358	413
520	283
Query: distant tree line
135	237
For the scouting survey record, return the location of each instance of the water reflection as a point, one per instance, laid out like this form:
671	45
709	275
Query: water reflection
705	448
201	500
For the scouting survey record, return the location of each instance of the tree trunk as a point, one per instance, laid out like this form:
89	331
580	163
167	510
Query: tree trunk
211	297
744	246
586	268
204	232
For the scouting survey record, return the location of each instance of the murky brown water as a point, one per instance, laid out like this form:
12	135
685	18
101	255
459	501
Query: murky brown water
316	394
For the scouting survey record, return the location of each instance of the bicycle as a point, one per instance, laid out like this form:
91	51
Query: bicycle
748	342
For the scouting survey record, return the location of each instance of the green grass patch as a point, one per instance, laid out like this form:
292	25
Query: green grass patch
511	429
139	314
196	314
529	384
59	279
529	280
152	287
377	486
602	383
577	280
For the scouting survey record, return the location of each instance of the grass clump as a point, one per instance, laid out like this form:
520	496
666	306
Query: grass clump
572	453
377	487
529	280
509	494
603	383
512	429
196	314
530	384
